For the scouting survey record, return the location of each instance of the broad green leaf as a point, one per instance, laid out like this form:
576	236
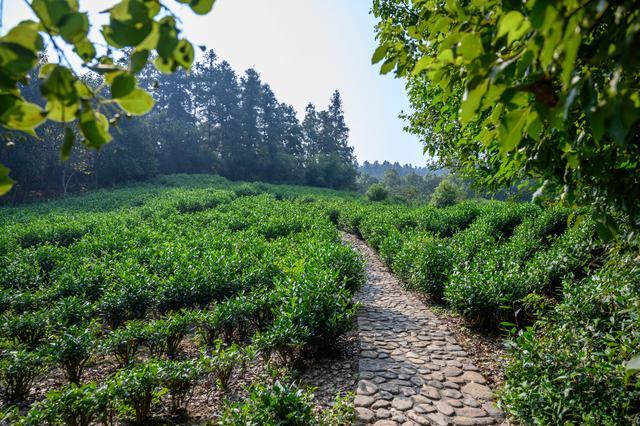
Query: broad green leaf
22	115
535	127
512	128
202	7
95	128
423	64
122	85
83	90
168	39
165	66
151	41
471	102
57	111
184	54
470	47
52	12
129	24
509	22
137	102
69	138
16	61
442	24
379	54
6	183
74	27
85	49
388	66
26	35
138	61
572	42
59	85
446	56
633	365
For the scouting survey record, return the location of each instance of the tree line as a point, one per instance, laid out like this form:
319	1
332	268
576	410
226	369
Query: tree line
207	121
378	169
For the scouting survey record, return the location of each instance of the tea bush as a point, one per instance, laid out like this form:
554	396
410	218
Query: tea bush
569	368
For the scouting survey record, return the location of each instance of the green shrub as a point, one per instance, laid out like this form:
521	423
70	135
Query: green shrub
71	311
447	193
136	390
220	361
128	302
277	404
124	343
163	336
391	246
569	368
180	379
311	311
29	328
573	255
425	262
236	319
73	405
377	192
72	349
247	190
19	368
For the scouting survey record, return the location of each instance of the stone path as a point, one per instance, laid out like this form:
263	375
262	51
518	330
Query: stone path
412	370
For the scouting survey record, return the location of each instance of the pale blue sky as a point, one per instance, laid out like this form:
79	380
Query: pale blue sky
304	49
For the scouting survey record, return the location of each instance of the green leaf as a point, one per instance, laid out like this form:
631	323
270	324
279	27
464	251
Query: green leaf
512	129
6	183
165	66
52	12
129	24
65	150
379	54
184	54
138	61
57	111
85	49
388	66
20	115
633	365
470	47
471	102
423	64
26	35
446	56
509	22
168	38
202	7
74	27
122	85
137	102
95	128
59	85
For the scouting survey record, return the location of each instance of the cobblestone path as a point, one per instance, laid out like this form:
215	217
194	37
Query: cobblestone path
412	370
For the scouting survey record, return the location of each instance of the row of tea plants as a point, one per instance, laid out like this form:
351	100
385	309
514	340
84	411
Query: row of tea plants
571	302
119	306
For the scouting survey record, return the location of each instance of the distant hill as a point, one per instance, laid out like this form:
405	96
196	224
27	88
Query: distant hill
377	169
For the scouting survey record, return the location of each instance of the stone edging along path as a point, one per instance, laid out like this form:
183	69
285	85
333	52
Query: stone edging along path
412	370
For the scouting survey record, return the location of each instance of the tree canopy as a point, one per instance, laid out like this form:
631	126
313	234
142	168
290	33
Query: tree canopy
210	120
507	90
147	28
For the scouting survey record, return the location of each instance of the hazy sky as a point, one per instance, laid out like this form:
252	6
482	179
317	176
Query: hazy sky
304	49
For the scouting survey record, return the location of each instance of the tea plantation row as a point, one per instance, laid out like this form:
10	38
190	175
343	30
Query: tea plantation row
122	304
574	300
